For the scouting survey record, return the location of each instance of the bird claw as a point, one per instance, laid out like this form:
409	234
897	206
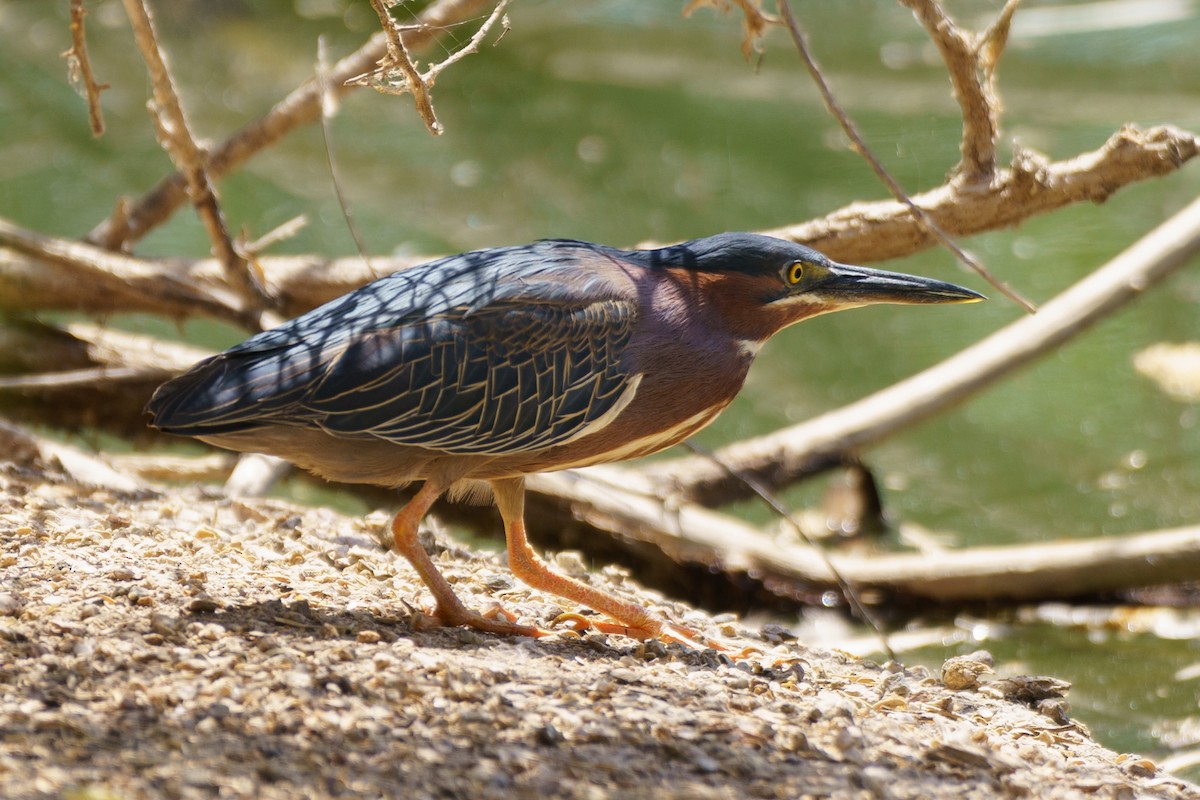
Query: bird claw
496	610
496	619
655	629
576	623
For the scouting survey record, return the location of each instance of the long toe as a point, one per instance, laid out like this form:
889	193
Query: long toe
501	624
650	628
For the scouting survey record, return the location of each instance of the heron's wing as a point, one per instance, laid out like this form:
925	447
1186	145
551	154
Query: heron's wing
512	377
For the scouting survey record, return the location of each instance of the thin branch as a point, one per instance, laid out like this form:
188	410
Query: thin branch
848	590
176	138
76	378
472	45
991	43
871	231
79	68
974	87
86	278
329	105
689	533
786	455
44	272
1074	568
301	107
755	21
281	232
860	146
398	58
397	74
212	467
79	348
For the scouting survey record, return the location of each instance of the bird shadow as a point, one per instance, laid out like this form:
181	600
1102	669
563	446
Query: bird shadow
300	620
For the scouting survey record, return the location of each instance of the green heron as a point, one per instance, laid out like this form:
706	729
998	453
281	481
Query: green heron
478	369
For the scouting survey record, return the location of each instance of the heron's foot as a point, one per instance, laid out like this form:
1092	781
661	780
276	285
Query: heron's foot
649	627
496	619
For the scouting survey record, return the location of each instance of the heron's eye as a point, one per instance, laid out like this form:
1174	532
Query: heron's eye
795	272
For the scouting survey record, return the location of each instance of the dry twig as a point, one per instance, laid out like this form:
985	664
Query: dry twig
132	221
79	68
397	74
971	61
617	500
329	107
1032	185
397	59
281	232
83	277
48	273
176	138
860	146
755	21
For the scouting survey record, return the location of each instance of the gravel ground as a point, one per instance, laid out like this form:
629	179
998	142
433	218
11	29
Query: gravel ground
177	644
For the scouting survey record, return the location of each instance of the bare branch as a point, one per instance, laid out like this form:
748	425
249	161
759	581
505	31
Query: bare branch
974	88
755	21
329	107
616	500
871	231
212	467
397	74
990	44
301	107
398	59
44	272
860	146
784	456
100	377
79	68
176	138
282	232
86	278
84	353
472	45
77	378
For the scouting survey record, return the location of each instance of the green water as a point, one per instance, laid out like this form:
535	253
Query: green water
619	122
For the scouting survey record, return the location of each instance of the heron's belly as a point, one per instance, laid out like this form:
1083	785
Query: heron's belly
645	445
652	422
630	436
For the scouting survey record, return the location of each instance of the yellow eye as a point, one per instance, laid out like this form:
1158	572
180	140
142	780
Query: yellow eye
796	272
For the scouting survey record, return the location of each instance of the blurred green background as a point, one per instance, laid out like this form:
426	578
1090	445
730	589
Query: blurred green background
617	121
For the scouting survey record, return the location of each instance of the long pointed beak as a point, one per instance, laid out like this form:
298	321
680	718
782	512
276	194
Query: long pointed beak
852	285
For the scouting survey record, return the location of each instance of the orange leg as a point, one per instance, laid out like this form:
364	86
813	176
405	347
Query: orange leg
633	619
450	610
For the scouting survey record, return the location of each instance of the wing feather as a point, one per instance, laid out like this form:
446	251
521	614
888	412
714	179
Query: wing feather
488	352
508	378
